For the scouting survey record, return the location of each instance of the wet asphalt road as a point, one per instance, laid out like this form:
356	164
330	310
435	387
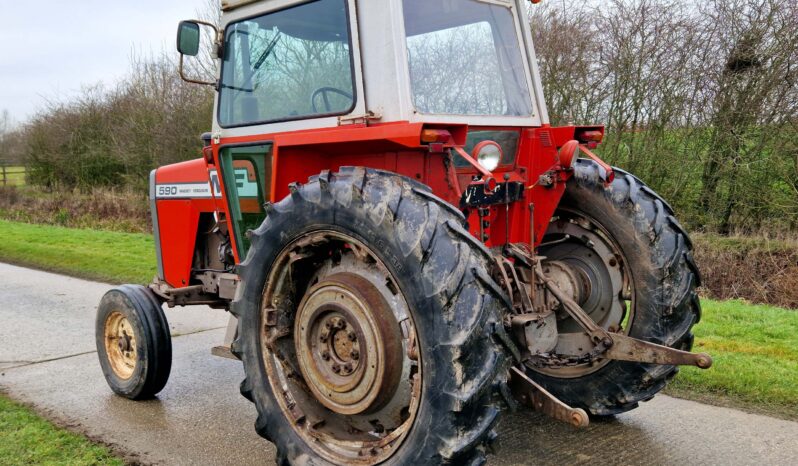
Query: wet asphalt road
47	360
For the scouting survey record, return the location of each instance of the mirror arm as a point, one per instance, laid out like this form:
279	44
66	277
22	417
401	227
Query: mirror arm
216	30
190	80
205	23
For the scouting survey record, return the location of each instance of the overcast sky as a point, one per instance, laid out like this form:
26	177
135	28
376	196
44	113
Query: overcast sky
50	48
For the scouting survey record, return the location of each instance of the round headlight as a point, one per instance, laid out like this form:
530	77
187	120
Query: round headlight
488	154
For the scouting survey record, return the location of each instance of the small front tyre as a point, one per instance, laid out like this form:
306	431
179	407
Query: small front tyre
133	342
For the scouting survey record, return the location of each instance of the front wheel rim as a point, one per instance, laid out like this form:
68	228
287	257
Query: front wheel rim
120	345
343	363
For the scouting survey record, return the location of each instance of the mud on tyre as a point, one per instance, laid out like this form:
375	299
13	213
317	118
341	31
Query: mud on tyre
366	236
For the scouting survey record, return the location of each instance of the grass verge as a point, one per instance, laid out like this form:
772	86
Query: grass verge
99	255
25	439
755	348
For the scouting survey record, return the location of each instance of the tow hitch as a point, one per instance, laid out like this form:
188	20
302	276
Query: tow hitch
622	347
536	331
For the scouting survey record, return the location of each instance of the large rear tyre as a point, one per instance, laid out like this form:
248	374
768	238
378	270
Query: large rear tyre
133	342
638	260
366	324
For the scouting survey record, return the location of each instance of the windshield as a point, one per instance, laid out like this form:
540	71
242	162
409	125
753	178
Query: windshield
465	59
286	65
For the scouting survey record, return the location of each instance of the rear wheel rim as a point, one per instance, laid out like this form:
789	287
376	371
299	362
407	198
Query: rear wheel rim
120	345
584	244
343	362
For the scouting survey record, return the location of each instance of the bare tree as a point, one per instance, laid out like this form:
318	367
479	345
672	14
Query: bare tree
754	103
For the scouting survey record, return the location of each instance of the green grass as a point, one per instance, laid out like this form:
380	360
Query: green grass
26	439
99	255
755	349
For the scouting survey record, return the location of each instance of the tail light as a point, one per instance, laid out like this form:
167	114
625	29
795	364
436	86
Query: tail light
590	137
432	136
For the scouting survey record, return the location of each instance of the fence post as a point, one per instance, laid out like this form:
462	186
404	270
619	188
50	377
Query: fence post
3	164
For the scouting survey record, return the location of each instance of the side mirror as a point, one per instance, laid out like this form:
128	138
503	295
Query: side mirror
188	44
188	38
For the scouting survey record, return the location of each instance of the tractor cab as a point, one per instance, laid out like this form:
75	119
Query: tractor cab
459	75
406	246
291	65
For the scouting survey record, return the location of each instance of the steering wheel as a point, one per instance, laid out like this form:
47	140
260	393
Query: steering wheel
324	92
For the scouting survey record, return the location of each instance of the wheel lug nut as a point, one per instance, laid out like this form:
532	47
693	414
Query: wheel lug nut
328	324
355	355
348	368
336	368
325	355
352	336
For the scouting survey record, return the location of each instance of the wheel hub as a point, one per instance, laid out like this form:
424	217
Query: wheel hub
343	362
348	344
573	281
588	266
120	345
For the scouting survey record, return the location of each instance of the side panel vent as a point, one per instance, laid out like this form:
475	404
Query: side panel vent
545	138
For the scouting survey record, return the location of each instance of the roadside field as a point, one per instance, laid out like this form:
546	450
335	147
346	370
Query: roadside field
25	439
757	268
755	347
14	176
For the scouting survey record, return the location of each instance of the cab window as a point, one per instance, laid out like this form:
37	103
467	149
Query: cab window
291	64
465	58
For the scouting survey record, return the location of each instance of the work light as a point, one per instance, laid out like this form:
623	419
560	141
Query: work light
488	154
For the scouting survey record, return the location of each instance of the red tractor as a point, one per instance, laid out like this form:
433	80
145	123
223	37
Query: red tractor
405	245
